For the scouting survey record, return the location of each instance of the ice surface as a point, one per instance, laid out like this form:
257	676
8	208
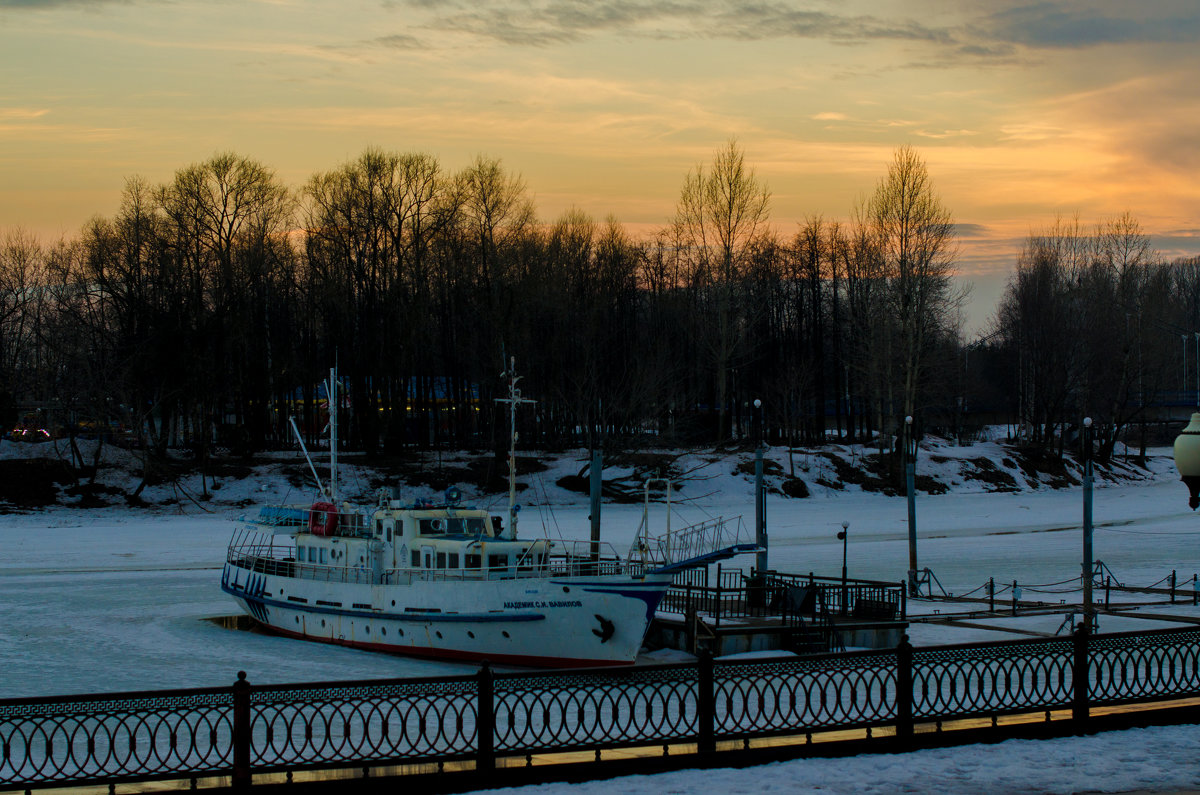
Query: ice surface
114	598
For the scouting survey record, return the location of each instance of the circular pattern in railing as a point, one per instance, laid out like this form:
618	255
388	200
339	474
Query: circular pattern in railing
992	679
597	710
321	725
804	695
104	738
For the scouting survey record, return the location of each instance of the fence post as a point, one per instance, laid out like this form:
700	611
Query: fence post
706	704
485	721
241	732
903	600
991	594
1080	697
1015	592
717	611
1172	586
904	690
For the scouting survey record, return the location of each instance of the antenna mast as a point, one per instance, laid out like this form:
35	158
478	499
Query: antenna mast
514	397
331	392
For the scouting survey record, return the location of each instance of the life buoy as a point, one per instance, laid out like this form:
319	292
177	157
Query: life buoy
322	519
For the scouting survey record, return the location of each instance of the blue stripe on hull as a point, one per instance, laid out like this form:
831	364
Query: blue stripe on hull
411	617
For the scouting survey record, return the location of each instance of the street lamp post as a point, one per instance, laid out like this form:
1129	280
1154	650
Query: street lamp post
1187	459
910	467
760	494
1185	378
1088	613
842	536
1197	333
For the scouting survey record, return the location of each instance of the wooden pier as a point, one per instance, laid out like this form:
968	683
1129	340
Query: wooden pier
729	611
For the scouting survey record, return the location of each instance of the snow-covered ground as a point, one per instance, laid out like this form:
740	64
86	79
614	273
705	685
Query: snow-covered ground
1159	759
116	599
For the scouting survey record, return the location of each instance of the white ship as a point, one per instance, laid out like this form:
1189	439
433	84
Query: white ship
455	582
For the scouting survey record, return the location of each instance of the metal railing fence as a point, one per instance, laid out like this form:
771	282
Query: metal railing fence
244	730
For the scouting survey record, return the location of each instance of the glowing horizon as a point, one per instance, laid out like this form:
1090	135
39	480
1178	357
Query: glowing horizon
1022	112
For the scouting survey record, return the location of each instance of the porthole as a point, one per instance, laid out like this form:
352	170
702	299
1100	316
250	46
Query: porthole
401	632
566	589
297	619
393	603
384	630
470	634
505	634
322	622
368	629
439	635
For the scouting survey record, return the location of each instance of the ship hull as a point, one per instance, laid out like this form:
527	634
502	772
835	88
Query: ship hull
555	621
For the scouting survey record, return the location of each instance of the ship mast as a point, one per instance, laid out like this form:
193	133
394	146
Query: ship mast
514	397
331	392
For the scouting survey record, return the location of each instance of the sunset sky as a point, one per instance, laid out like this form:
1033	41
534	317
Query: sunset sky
1022	111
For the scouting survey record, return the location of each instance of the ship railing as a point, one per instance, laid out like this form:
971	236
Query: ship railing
694	541
264	560
298	517
549	567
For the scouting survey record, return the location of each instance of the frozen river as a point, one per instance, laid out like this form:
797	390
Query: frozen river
116	600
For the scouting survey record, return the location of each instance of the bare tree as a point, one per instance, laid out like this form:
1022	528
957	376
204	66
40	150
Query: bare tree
21	266
722	212
915	239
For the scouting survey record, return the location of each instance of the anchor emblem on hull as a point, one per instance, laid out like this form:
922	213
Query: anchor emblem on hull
606	628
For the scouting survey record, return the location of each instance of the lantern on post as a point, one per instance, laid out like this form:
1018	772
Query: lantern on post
1187	459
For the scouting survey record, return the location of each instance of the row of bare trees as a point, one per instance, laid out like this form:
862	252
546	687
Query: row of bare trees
1093	323
209	308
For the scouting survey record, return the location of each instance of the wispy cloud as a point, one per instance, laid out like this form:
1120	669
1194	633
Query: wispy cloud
397	41
22	114
965	230
547	22
1075	25
48	4
943	134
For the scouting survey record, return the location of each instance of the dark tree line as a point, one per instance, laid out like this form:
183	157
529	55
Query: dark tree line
1094	323
207	311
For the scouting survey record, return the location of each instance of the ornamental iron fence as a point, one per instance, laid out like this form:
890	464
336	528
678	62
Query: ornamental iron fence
244	730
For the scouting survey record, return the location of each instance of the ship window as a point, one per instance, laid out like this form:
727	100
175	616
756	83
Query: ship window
378	526
454	560
441	560
322	554
389	533
433	527
312	554
497	561
475	525
416	559
472	562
